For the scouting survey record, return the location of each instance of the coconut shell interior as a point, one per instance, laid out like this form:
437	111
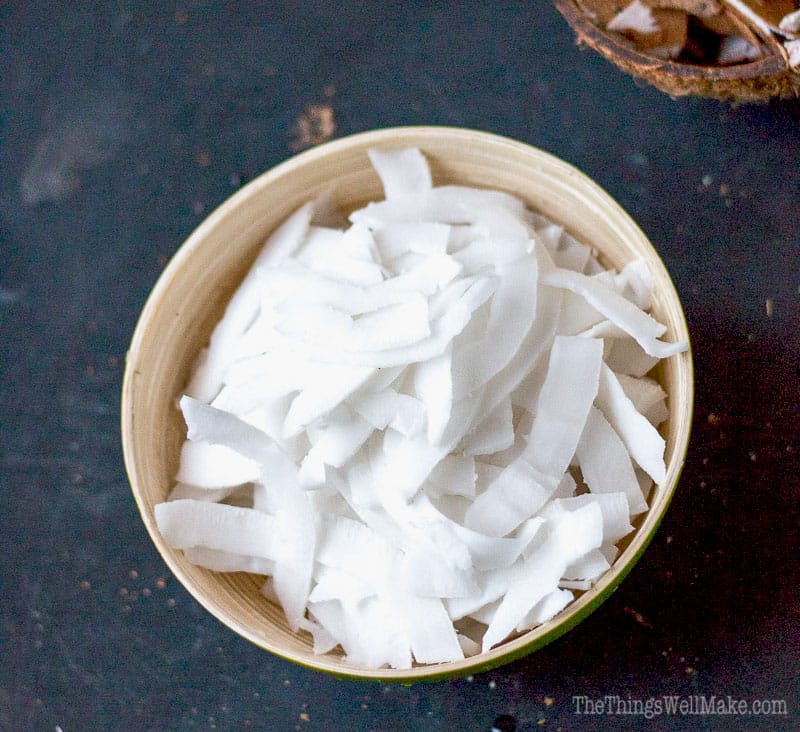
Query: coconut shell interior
733	50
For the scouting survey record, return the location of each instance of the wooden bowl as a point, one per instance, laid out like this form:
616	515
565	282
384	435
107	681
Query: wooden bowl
194	288
760	80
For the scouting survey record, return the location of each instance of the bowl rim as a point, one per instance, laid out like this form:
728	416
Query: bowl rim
510	650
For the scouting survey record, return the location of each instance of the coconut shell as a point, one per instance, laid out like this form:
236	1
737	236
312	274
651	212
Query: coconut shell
759	80
699	8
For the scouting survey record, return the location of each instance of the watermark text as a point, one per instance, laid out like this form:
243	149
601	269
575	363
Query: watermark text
613	705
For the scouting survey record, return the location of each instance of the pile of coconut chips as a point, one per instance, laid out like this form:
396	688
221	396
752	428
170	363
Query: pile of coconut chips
428	427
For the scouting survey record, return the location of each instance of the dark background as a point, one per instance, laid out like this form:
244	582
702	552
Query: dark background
125	123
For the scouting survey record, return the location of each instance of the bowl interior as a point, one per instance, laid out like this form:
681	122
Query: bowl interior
192	292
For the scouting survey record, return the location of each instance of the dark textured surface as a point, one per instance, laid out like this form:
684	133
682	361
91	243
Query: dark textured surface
124	124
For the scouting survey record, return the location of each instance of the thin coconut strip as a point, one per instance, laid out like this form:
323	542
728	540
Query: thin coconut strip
635	283
368	631
323	640
549	234
490	552
241	310
547	608
402	172
605	462
443	329
573	535
567	394
490	252
427	624
351	546
533	349
287	372
645	445
320	241
426	529
453	475
240	398
492	434
403	464
222	561
301	285
511	315
186	523
603	329
424	526
492	586
387	408
571	254
442	204
355	259
464	294
295	528
214	466
626	356
613	507
394	326
212	495
311	472
332	583
433	385
425	575
645	393
468	646
513	497
356	486
349	270
566	487
322	397
269	417
413	237
486	552
464	415
578	317
588	567
615	307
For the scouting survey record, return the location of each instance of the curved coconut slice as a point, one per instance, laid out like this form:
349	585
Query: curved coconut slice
186	523
214	466
566	397
574	534
243	306
402	172
617	309
605	462
645	445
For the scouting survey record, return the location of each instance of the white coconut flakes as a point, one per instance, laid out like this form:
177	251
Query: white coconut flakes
429	429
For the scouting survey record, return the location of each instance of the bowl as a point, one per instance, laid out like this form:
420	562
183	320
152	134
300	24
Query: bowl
194	288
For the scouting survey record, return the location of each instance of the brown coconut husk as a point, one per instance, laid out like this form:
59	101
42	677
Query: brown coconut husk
759	80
